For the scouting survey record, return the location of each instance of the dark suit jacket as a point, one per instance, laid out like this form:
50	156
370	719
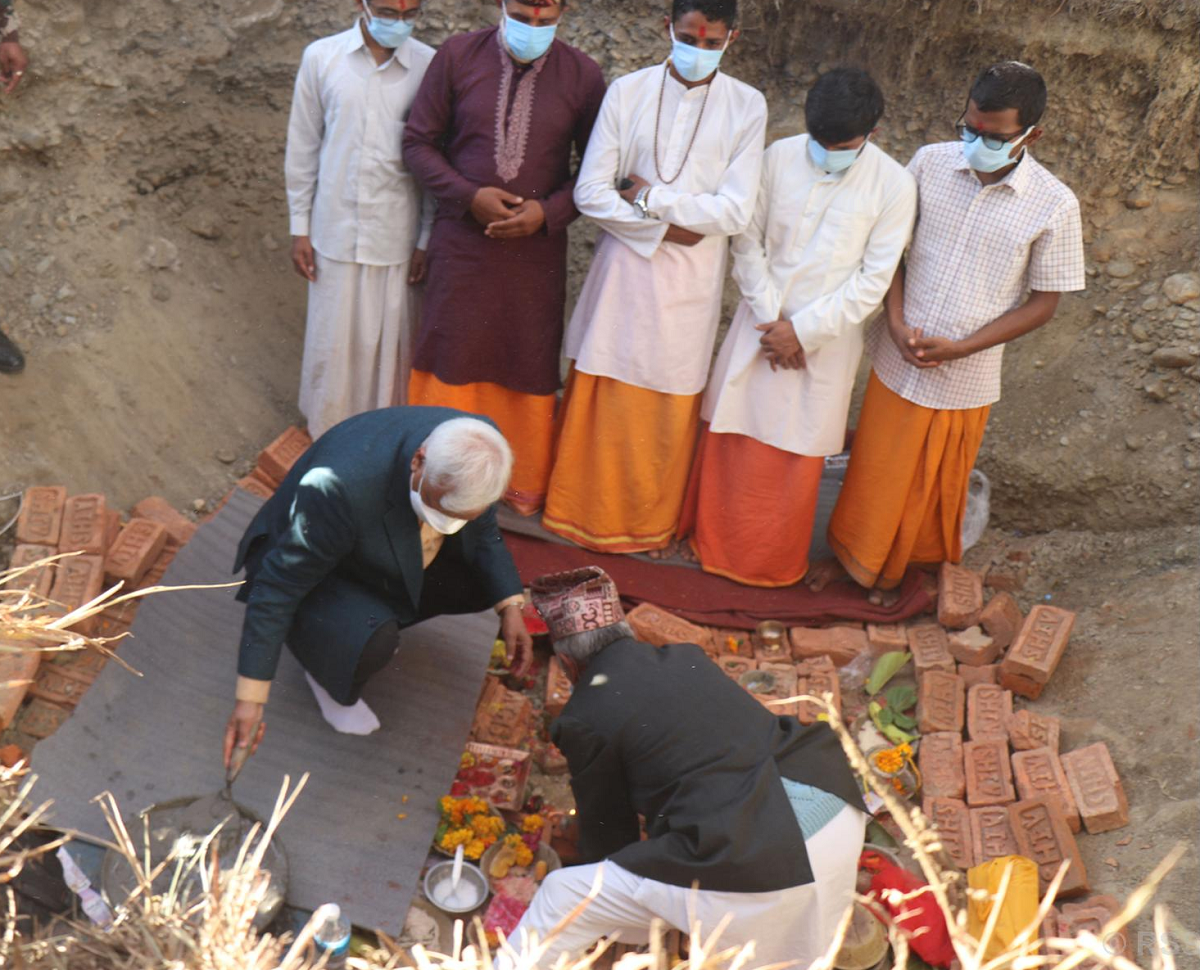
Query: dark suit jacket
344	510
664	733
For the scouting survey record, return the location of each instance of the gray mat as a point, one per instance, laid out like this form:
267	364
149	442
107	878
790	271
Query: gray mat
158	737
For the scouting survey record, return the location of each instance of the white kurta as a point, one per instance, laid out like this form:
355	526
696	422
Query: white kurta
648	311
821	252
349	191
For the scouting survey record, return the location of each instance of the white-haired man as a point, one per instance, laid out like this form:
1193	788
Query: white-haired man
747	814
387	520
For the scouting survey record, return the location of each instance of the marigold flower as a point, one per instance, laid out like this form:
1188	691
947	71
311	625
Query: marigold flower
473	849
532	823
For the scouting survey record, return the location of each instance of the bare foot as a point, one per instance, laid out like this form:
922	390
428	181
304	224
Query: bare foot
822	573
887	598
669	551
686	552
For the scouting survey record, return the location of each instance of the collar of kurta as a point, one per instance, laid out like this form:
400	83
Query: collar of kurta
1017	179
355	41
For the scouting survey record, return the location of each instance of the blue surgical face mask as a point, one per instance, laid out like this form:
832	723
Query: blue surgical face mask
984	159
835	161
389	33
526	42
695	63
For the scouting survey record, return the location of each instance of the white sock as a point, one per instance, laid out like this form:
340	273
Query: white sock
354	718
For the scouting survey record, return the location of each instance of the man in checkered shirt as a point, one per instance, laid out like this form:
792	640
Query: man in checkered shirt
998	239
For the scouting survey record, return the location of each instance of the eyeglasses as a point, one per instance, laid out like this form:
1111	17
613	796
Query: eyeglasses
968	133
392	16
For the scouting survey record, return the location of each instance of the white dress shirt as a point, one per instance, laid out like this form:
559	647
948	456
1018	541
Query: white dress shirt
648	311
348	188
977	252
821	252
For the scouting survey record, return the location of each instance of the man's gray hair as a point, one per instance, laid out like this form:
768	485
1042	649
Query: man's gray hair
470	460
582	647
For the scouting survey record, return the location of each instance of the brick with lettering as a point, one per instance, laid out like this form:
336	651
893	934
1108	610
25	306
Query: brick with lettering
38	581
558	687
1027	730
158	568
1043	836
886	638
953	823
1039	774
11	755
930	649
1035	653
991	833
1090	916
54	684
1096	787
112	527
988	710
1001	619
83	665
988	773
502	716
85	525
655	626
256	484
973	647
770	683
18	668
738	642
734	666
940	758
134	552
40	718
960	596
940	700
818	679
277	459
78	580
180	528
841	644
989	674
40	521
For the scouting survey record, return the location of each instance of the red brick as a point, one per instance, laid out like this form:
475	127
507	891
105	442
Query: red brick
949	816
85	524
121	613
180	529
1020	685
1001	619
1006	577
549	759
772	682
818	679
107	627
1039	774
655	626
55	685
940	698
737	642
154	575
502	716
960	596
38	581
734	666
971	676
1090	916
973	647
11	755
940	758
1096	787
112	527
255	485
991	833
558	687
134	552
40	719
1038	647
1042	835
79	580
886	638
930	649
18	667
277	459
841	644
1028	730
988	773
40	521
988	711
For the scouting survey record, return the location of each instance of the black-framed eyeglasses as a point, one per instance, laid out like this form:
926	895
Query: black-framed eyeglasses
969	133
392	16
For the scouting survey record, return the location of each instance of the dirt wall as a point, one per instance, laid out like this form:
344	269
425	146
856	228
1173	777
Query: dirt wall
143	228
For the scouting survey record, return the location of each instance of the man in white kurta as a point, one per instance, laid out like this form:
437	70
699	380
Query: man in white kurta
642	334
358	228
816	261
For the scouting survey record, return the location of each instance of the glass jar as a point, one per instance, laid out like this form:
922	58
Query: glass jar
897	770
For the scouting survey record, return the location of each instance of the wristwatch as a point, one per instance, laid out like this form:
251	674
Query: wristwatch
639	201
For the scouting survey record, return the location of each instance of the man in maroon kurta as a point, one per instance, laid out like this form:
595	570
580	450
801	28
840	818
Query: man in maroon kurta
490	135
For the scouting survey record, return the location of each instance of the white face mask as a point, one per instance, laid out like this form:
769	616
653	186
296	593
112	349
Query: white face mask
447	525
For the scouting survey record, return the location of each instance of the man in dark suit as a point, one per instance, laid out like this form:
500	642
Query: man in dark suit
763	816
387	520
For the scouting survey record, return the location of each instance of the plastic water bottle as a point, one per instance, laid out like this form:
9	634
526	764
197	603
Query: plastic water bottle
92	902
333	934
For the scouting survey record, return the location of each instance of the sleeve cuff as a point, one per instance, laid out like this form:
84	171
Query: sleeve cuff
517	599
299	225
255	691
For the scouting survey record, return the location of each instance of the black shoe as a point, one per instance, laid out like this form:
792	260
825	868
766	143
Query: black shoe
12	361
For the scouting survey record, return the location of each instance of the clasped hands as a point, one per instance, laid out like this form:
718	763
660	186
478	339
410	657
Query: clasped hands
780	344
506	216
922	351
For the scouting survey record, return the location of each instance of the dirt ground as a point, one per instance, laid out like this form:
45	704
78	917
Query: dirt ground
144	269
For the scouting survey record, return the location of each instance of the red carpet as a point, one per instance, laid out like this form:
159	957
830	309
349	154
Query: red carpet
716	601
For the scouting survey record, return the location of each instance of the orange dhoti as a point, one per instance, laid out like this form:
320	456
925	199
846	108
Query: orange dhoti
525	420
906	486
621	464
750	508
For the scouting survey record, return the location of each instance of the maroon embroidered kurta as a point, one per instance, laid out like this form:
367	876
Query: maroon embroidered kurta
494	307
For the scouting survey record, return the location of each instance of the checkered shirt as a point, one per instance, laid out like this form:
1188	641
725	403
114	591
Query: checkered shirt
976	253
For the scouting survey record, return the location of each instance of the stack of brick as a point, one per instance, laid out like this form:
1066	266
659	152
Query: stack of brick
274	462
41	689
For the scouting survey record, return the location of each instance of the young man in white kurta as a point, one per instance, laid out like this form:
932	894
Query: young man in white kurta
356	218
648	312
817	258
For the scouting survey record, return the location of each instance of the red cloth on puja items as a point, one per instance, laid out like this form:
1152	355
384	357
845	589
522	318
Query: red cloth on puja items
919	916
